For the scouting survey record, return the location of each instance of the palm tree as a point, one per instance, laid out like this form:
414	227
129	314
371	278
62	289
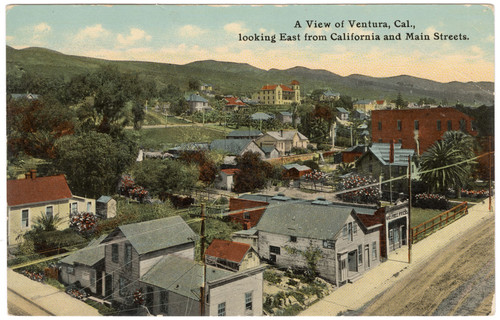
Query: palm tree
444	154
46	222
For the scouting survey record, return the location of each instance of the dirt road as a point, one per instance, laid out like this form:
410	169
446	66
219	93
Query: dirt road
457	281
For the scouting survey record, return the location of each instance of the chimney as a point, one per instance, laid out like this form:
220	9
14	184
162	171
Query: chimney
33	174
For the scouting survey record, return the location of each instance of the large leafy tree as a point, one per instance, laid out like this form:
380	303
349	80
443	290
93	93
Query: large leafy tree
448	154
34	126
93	162
253	174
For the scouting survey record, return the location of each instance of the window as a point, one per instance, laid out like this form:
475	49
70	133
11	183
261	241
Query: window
379	140
344	231
374	250
246	215
221	309
164	301
438	124
92	278
463	125
25	214
114	252
360	254
400	141
354	228
349	231
248	301
275	250
416	124
329	244
89	206
49	212
450	127
70	270
379	125
370	167
128	255
293	239
399	125
122	285
73	207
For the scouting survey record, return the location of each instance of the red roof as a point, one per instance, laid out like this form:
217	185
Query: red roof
380	101
230	171
294	82
39	189
234	101
228	250
369	220
272	87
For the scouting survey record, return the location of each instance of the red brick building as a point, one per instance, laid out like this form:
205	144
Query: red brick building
418	129
246	212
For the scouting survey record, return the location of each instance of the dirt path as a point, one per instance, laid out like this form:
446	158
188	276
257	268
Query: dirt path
457	281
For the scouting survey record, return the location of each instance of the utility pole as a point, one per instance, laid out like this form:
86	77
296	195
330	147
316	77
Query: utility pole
490	168
410	232
202	257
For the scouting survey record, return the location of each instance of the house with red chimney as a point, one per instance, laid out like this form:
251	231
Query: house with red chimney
33	197
418	129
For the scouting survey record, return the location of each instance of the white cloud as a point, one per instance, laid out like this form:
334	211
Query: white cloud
92	33
235	27
430	31
490	38
191	31
134	36
42	28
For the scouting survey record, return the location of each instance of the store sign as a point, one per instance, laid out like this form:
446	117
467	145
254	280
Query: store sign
396	214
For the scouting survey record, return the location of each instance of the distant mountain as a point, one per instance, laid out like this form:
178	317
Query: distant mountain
245	79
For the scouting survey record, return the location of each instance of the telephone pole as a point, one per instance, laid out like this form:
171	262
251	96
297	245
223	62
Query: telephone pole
202	257
410	231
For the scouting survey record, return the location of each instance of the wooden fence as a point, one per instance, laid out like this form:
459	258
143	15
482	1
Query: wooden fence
430	226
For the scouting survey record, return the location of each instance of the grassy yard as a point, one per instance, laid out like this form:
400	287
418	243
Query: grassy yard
419	215
164	138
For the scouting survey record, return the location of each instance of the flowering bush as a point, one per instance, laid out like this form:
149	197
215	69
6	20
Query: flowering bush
129	188
85	223
36	276
431	201
138	297
370	194
476	193
77	293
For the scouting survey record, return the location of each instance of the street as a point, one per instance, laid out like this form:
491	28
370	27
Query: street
19	306
457	281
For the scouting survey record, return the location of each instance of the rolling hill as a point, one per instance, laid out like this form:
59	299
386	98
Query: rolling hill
244	79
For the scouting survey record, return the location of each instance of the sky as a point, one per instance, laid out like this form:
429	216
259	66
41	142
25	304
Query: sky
180	34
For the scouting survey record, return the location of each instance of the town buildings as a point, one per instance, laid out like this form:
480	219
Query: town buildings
33	197
197	103
279	94
418	129
283	140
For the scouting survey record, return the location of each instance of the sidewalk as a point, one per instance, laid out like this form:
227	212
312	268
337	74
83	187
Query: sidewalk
353	296
47	298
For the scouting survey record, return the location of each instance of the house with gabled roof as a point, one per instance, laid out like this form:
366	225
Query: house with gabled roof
172	288
132	250
32	197
329	96
348	247
376	161
283	140
285	117
233	103
230	255
85	266
236	147
197	103
225	179
342	114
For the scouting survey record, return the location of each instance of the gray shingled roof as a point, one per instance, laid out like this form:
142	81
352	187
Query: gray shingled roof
303	219
89	256
296	166
196	98
342	110
231	146
286	134
381	151
181	275
158	234
244	133
268	149
260	116
104	199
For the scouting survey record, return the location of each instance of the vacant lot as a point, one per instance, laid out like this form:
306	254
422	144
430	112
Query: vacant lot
164	138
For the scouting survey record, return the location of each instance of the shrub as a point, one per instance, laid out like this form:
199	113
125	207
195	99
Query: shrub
431	201
272	277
